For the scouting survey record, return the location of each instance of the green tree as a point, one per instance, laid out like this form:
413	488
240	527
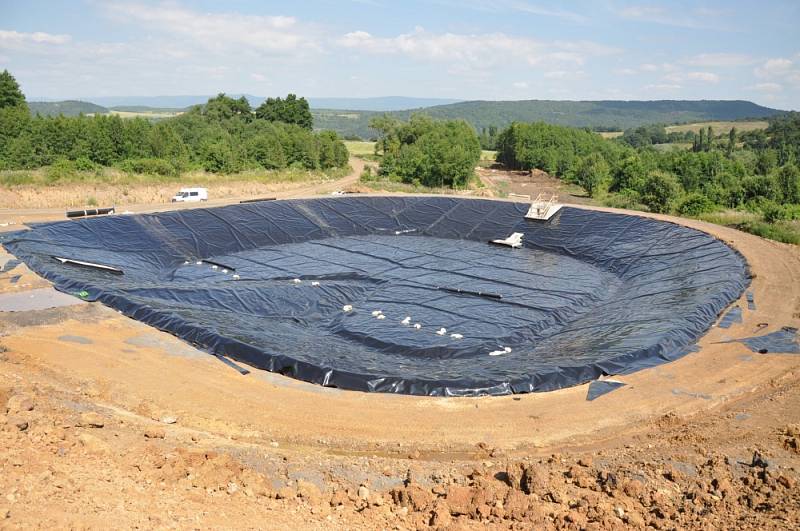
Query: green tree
789	183
433	153
267	151
660	191
10	93
731	141
629	174
592	173
292	110
767	161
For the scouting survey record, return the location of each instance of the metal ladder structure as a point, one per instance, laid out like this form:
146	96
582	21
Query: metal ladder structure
543	209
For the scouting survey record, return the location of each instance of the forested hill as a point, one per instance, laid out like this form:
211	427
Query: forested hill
601	115
67	108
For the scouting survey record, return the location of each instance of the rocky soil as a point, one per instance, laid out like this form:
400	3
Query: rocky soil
68	462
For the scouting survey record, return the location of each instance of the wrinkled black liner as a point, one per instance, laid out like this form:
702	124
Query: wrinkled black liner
590	293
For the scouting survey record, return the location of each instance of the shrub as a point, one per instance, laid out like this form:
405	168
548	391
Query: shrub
695	204
367	174
84	164
774	212
628	199
777	231
149	166
61	170
660	191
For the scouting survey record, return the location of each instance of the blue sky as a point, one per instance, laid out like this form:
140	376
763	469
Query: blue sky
469	49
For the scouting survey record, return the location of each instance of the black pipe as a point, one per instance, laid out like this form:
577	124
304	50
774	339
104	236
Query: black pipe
89	212
468	292
257	200
223	266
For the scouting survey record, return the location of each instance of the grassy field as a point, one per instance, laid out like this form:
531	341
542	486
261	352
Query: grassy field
146	114
719	127
358	148
610	134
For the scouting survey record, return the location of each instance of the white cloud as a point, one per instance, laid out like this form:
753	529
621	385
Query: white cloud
519	6
774	67
693	19
477	51
565	74
663	67
706	77
663	86
624	71
520	85
720	60
19	40
767	87
219	31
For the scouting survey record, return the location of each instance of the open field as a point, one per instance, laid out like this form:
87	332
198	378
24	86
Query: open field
146	114
610	134
359	148
719	127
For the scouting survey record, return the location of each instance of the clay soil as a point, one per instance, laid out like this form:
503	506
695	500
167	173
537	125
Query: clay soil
107	423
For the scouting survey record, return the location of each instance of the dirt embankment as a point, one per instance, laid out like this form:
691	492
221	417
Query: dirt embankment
136	195
70	461
105	422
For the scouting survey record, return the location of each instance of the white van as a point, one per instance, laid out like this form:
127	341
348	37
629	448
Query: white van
190	194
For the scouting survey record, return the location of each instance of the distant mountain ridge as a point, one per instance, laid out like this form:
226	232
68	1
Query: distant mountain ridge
607	114
67	108
600	115
383	103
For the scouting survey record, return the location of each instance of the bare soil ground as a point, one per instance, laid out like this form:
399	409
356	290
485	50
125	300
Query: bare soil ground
105	422
529	184
16	203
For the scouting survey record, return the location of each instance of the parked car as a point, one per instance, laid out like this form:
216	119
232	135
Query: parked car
190	194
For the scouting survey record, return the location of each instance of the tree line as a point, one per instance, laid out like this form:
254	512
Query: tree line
760	175
225	135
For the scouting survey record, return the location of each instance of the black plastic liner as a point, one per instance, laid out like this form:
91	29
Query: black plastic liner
590	293
733	316
784	341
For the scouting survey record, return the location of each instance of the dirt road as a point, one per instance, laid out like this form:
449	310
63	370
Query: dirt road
110	422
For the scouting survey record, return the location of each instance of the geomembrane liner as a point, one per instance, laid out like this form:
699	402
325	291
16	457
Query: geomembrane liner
589	293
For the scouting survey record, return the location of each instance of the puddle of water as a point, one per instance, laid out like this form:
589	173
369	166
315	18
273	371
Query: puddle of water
176	347
76	339
36	299
681	392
